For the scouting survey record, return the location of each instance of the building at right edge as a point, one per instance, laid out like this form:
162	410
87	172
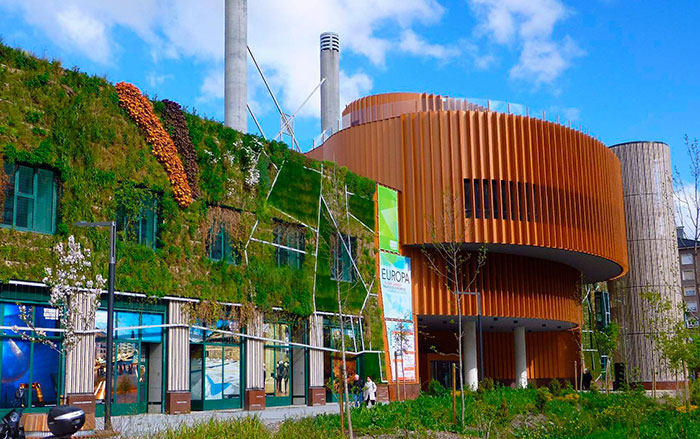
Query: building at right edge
545	200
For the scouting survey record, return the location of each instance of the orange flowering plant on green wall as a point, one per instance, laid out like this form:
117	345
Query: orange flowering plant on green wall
141	111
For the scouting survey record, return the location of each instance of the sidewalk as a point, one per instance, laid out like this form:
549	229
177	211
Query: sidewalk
145	425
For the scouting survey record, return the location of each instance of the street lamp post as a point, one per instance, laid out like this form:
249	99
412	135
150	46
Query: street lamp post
459	295
110	313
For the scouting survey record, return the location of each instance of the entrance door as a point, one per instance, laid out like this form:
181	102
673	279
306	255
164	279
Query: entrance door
130	379
278	365
278	376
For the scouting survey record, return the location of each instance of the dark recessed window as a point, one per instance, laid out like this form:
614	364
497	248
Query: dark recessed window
504	199
496	203
291	243
222	250
487	200
140	226
344	253
477	199
30	199
467	198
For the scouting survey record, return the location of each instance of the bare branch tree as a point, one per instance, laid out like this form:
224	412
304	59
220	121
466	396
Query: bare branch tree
448	258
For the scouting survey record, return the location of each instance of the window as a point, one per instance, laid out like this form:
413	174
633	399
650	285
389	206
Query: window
477	199
688	275
467	198
221	249
487	200
494	191
30	199
687	259
342	261
689	292
30	371
141	227
291	242
692	306
504	199
691	322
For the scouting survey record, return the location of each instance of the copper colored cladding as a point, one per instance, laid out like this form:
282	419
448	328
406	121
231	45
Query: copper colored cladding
409	142
511	286
549	354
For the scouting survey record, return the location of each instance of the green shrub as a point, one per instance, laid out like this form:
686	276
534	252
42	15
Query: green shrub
555	387
435	388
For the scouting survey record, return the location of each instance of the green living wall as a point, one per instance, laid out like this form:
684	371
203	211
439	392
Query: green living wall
72	123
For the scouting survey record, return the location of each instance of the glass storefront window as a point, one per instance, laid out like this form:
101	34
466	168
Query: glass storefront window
127	371
29	370
131	354
152	335
196	372
213	388
232	372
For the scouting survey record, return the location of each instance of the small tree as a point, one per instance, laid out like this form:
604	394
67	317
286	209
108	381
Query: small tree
672	336
75	294
606	339
401	338
448	259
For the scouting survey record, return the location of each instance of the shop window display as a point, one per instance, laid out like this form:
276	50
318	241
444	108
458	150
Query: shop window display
29	370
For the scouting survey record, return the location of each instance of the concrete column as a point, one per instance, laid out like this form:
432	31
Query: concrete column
520	357
178	397
317	391
471	370
255	360
235	61
330	90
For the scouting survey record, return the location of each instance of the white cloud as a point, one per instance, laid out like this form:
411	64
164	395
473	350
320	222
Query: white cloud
283	34
415	45
154	79
528	25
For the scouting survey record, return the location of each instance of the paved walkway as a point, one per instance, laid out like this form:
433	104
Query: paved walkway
143	426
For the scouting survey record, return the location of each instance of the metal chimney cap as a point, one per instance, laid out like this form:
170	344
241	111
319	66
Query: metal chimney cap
330	41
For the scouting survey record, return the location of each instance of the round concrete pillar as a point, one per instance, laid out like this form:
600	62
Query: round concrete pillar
471	371
520	357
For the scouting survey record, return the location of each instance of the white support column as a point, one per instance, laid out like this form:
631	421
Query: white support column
520	357
471	371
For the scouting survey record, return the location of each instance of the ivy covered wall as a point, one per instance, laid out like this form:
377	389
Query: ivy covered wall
73	124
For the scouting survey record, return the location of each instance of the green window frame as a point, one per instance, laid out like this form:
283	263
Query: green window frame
222	250
341	260
293	237
144	228
30	199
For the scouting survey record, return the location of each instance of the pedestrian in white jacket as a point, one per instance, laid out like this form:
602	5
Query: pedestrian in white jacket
369	392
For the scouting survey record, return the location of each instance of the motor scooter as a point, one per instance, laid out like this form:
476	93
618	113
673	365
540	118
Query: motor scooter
63	421
11	424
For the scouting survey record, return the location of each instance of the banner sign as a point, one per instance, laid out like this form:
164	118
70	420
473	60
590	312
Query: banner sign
388	208
395	280
402	350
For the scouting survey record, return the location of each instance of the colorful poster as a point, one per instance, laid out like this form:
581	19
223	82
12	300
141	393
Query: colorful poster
388	208
402	350
395	280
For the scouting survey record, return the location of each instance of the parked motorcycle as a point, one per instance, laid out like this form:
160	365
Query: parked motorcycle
64	421
11	427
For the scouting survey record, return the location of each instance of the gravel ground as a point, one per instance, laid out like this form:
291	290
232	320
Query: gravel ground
143	426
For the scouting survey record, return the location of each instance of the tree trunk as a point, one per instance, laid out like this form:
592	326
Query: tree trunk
345	366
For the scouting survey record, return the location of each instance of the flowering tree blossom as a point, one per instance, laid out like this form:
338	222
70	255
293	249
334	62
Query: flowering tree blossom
75	294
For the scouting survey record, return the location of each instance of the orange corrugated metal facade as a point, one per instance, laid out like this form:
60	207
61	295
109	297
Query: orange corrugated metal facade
536	193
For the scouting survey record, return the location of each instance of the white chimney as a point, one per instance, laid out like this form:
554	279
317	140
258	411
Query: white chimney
330	90
236	57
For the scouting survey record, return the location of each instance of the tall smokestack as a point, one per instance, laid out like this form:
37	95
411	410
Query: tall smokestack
236	56
330	90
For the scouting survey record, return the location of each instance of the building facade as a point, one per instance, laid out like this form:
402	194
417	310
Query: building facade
544	200
230	254
688	269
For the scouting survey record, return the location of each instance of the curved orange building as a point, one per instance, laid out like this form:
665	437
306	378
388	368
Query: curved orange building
545	200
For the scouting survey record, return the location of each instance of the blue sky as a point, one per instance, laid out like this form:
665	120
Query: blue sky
624	70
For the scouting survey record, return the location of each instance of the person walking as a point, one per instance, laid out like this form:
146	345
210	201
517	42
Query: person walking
356	388
370	392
